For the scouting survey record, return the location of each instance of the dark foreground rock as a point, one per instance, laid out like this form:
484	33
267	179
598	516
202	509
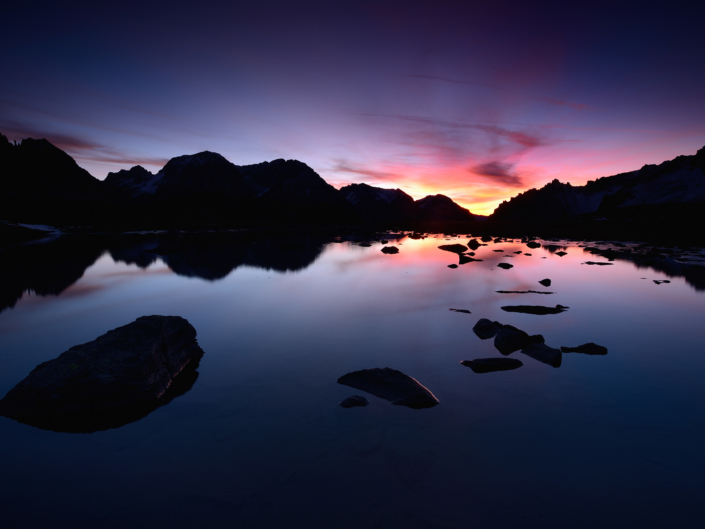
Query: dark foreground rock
354	401
474	244
390	249
545	282
510	339
586	348
485	329
391	385
461	310
538	310
117	378
543	353
506	266
455	248
488	365
597	263
533	244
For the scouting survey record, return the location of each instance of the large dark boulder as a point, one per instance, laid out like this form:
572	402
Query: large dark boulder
488	365
117	378
391	385
455	248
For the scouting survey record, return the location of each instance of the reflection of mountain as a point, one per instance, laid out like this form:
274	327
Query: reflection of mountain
50	268
45	269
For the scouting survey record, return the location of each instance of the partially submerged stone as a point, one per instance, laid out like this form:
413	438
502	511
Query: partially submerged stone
522	292
461	310
538	310
586	348
533	244
510	339
543	353
474	244
117	378
391	385
354	401
561	253
545	282
455	248
485	329
488	365
390	249
597	263
452	266
506	266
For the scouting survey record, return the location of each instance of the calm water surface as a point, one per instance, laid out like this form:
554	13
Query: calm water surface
260	440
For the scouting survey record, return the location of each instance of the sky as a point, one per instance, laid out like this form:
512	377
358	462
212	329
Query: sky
474	100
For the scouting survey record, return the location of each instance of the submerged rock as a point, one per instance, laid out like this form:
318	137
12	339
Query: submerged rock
597	263
355	400
510	339
461	310
117	378
521	292
506	266
485	329
474	244
455	248
390	249
464	259
538	310
561	253
391	385
533	244
488	365
545	282
543	353
586	348
452	266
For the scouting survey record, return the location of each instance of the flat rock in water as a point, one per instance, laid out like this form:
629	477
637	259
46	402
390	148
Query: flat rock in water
545	282
453	266
485	329
586	348
521	292
538	310
117	378
390	249
533	244
543	353
561	254
510	339
391	385
354	401
488	365
464	259
461	310
597	263
455	248
506	266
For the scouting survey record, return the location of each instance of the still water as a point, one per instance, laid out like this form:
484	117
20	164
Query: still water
260	440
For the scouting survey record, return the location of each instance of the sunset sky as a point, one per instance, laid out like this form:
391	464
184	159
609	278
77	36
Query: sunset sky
474	100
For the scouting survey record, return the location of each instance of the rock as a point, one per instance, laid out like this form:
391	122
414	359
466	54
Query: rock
561	254
659	281
485	328
117	378
510	339
527	254
506	266
522	292
497	250
452	266
518	253
535	309
488	365
533	244
474	244
586	348
486	238
455	248
464	259
365	244
391	385
461	310
390	249
355	400
596	263
545	282
543	353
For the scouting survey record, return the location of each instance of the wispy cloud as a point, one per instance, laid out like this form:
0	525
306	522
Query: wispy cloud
343	166
499	172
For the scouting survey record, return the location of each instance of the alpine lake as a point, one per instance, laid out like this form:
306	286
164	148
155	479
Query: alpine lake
259	439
